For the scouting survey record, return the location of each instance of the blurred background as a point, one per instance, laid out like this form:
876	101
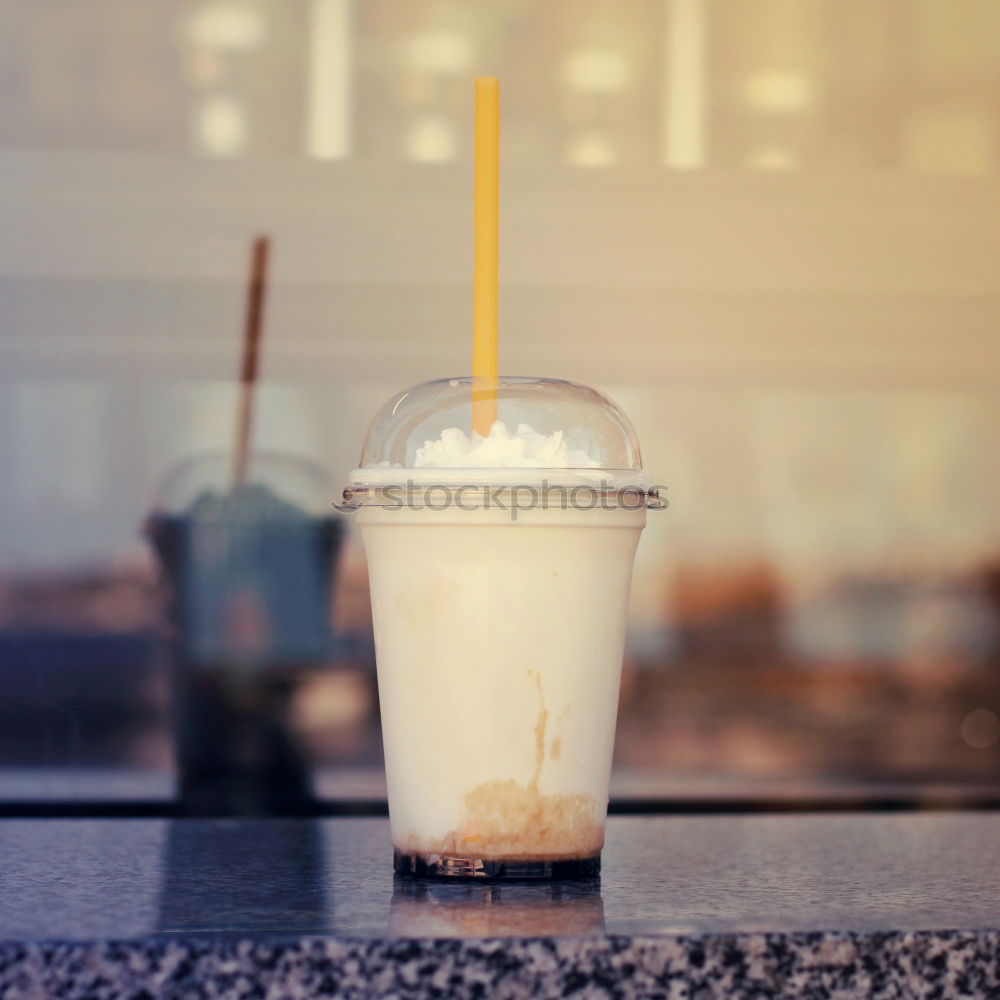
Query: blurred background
767	229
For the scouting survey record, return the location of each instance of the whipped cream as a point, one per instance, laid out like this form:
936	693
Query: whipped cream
501	449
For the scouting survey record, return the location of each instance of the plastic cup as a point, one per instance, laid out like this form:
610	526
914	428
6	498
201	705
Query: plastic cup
249	571
499	573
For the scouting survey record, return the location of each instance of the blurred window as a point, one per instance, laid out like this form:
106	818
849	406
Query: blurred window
766	228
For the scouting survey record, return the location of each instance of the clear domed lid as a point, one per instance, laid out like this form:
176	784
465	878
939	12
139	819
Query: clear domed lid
276	484
563	430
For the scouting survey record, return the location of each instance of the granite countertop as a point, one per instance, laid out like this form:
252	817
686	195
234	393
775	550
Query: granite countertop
847	905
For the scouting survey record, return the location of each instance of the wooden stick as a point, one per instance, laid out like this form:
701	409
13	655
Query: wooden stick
253	322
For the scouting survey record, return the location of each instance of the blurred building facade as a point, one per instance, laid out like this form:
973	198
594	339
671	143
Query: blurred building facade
766	229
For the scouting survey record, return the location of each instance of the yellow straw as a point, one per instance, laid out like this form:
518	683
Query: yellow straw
484	275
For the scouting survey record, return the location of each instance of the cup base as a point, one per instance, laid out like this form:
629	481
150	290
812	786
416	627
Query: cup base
445	866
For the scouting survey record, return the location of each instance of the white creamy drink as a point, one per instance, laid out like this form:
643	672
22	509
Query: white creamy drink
499	638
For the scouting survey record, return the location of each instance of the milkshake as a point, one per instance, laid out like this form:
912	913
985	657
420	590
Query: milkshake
499	569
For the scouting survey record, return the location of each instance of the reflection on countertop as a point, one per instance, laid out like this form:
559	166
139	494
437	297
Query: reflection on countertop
421	908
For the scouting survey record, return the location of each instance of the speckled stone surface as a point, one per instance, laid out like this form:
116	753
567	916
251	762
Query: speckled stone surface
778	906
